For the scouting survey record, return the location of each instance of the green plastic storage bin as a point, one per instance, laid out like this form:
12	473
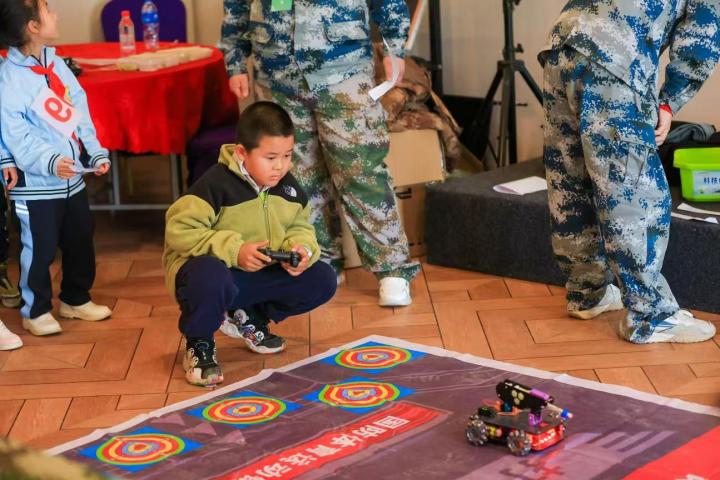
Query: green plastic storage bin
699	173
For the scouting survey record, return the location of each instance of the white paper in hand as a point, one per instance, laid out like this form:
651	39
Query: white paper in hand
522	186
385	86
79	168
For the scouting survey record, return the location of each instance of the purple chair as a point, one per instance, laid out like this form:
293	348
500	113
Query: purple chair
203	150
173	19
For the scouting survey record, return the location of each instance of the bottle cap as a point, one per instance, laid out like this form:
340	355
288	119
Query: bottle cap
125	13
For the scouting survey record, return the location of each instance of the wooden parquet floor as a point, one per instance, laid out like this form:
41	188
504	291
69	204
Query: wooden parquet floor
96	375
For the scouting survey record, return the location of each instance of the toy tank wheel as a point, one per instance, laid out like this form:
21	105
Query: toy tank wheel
519	443
476	432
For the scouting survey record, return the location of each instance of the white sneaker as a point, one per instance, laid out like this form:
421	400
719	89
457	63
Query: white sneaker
43	325
89	311
682	327
8	340
232	327
340	278
394	292
612	300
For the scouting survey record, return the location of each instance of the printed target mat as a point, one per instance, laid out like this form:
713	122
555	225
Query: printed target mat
384	408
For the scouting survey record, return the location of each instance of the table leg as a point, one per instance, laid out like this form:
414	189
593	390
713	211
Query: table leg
115	203
115	167
176	174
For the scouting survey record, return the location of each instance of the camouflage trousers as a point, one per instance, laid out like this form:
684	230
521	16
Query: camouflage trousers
609	199
341	141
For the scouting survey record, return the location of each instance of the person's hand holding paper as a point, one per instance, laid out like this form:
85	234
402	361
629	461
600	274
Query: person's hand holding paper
394	72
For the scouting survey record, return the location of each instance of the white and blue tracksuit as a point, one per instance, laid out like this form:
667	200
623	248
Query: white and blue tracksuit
6	158
52	212
6	161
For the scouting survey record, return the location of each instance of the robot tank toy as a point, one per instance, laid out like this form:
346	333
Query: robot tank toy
524	419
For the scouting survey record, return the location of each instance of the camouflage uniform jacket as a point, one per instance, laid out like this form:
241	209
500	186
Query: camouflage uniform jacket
627	37
322	41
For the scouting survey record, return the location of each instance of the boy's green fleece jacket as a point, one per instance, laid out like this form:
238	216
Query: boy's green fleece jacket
223	210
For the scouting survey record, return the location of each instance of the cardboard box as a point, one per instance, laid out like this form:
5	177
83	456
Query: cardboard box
415	158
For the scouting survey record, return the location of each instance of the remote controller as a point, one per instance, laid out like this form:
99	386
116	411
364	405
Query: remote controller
293	258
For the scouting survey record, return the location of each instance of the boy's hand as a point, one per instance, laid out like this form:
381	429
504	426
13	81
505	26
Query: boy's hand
387	63
65	168
102	169
250	260
240	85
11	177
302	266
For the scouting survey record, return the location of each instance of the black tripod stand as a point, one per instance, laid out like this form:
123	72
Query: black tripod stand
476	138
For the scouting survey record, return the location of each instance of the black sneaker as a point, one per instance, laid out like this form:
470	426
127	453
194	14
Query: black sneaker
259	339
233	323
9	293
200	362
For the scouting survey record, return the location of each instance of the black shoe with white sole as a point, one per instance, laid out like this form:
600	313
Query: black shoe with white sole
260	340
200	362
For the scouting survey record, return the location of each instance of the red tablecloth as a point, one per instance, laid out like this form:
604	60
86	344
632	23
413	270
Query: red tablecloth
157	112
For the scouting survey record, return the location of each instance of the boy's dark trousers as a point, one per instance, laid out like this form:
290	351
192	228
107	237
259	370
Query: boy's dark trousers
46	225
206	289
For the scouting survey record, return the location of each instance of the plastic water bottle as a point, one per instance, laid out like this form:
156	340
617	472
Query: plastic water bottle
151	25
127	34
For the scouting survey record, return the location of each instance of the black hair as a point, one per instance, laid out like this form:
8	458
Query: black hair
14	18
262	119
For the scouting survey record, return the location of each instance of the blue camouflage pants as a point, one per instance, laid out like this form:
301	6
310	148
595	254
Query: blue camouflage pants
609	199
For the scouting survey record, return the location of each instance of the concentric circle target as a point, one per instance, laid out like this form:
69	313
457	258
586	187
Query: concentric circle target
358	394
140	449
249	410
373	357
